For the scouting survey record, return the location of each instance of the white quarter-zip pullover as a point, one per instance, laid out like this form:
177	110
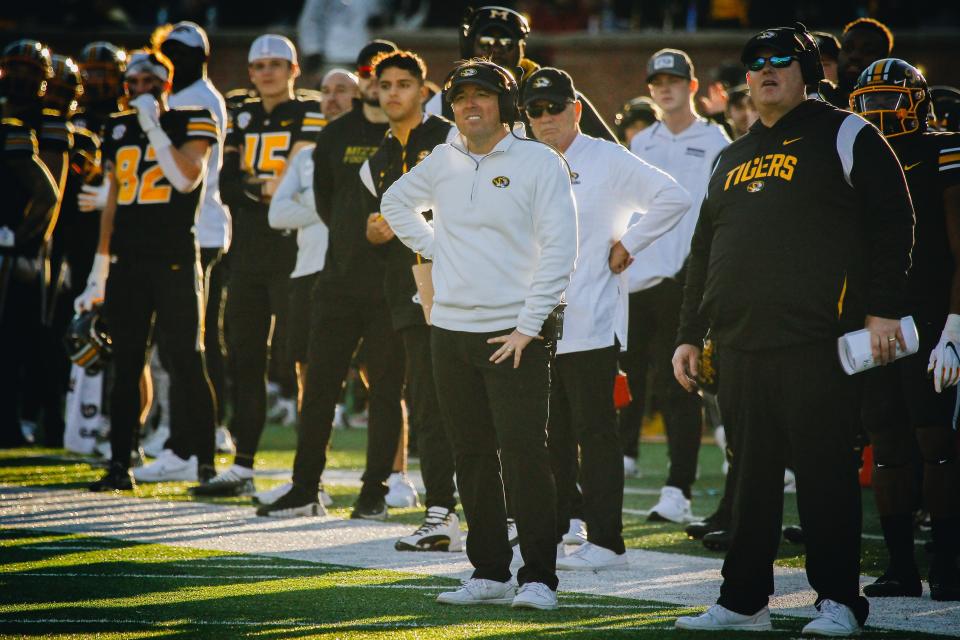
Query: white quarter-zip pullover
504	239
687	156
214	225
293	207
611	185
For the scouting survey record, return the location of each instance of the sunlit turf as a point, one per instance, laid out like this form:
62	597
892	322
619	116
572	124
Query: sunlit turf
66	585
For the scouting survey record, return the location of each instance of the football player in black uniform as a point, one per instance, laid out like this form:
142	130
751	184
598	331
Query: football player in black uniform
900	404
348	305
412	136
156	158
263	133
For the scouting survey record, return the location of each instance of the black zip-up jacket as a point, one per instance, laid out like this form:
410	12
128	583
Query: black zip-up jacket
807	227
392	160
353	268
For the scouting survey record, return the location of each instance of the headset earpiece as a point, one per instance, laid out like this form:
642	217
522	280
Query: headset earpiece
811	66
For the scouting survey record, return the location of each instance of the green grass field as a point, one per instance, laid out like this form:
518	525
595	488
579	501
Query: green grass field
64	585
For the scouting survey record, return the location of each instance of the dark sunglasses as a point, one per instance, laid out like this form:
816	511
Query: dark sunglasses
365	71
553	108
777	62
488	42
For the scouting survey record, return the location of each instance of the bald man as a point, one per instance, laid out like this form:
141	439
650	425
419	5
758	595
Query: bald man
338	89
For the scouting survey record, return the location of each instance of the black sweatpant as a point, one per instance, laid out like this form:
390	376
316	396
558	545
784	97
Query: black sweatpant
20	331
582	413
493	409
654	315
339	324
142	295
256	302
433	443
214	281
768	397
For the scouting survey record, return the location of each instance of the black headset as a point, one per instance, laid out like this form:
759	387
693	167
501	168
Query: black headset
509	92
811	66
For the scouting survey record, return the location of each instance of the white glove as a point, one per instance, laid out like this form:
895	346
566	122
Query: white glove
7	238
944	359
96	284
93	198
148	112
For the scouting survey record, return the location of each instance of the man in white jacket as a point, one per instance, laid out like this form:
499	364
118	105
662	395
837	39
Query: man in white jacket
685	146
504	243
610	185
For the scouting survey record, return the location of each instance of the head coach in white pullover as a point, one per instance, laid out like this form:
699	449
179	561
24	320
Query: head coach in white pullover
610	185
685	146
504	243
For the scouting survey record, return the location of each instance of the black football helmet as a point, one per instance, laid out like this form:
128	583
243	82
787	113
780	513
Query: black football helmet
102	65
893	95
65	87
25	70
88	341
477	20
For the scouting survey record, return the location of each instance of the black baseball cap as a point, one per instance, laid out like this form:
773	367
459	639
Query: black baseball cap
641	108
549	83
479	72
485	18
372	49
782	40
672	62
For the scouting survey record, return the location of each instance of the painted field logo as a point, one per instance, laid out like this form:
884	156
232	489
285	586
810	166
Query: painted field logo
501	182
756	185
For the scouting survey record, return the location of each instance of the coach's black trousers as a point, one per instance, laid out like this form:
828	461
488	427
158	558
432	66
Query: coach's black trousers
214	281
256	303
582	413
768	397
436	455
339	324
141	295
493	409
654	315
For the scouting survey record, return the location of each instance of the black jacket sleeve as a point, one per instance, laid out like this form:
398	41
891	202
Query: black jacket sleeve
231	181
888	222
323	179
693	322
43	201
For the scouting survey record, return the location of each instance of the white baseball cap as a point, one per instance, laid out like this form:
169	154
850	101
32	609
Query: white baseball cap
272	45
190	34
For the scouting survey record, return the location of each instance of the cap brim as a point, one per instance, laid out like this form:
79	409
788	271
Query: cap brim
456	83
546	95
668	72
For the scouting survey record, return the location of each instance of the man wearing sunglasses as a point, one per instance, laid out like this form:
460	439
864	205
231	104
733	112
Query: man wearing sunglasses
610	185
805	234
685	146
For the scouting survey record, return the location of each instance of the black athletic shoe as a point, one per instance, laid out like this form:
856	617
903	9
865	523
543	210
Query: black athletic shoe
944	583
117	478
295	502
369	509
717	540
892	585
794	535
227	483
713	522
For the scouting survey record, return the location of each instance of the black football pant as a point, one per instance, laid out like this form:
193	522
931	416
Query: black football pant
436	455
143	295
654	314
19	338
339	324
497	420
214	280
768	397
256	303
582	413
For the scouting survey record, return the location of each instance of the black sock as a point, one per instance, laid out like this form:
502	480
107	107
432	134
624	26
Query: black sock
898	534
946	541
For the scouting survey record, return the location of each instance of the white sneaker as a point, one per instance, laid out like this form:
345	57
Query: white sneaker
535	595
590	557
166	468
835	620
269	496
440	531
480	591
577	534
630	467
284	411
225	441
789	481
512	535
672	506
154	444
718	618
401	492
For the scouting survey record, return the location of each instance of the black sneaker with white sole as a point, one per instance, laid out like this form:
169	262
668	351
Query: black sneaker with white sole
440	531
117	478
369	508
296	502
226	483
